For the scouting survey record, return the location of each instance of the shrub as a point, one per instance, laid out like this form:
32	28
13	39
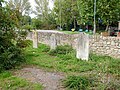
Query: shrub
22	34
61	50
76	83
11	58
46	49
10	54
23	43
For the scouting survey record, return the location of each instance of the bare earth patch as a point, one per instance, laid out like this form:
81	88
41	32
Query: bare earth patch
50	80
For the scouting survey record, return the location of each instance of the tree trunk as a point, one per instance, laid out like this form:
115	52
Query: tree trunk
74	23
107	27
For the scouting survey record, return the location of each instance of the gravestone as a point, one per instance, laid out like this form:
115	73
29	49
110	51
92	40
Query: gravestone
118	25
118	34
35	39
83	46
53	42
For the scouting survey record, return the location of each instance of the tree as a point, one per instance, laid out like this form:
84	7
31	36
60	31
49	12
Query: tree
66	12
20	8
85	9
23	6
45	16
42	9
107	11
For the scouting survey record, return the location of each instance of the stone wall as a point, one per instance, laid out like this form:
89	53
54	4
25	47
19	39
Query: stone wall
105	45
61	38
98	44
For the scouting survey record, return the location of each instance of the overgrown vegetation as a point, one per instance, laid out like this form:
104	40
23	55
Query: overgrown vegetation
11	54
77	83
9	82
61	50
104	71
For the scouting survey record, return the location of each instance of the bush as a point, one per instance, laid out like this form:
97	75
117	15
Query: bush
22	34
46	49
11	57
23	43
76	83
61	50
10	54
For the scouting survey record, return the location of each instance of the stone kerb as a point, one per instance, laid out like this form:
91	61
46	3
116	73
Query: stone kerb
83	46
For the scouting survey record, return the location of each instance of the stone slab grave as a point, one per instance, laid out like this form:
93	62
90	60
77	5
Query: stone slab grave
53	42
82	46
35	39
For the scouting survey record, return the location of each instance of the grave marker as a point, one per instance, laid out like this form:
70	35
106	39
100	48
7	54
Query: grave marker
53	42
83	46
35	39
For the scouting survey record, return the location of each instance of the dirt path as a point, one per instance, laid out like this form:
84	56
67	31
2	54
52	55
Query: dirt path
50	80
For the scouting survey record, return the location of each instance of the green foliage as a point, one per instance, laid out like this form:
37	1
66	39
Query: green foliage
67	62
10	54
66	12
23	43
10	82
22	34
46	49
37	23
45	16
77	83
108	11
23	6
85	9
27	27
11	57
40	24
61	50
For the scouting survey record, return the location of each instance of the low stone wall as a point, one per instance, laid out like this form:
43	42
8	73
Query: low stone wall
105	45
100	45
61	38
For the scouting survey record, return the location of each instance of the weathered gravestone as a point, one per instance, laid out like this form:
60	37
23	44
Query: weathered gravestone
83	46
35	39
118	25
53	42
118	34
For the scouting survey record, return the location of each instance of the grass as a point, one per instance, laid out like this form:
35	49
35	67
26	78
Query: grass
77	83
70	32
10	82
99	67
68	62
